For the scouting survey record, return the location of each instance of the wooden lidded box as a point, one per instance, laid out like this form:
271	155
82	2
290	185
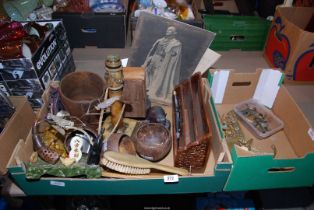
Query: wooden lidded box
134	92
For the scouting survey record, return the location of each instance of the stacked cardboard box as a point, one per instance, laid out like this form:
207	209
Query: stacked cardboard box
290	42
31	76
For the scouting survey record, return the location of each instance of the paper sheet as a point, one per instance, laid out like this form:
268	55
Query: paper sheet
209	58
268	86
218	87
124	62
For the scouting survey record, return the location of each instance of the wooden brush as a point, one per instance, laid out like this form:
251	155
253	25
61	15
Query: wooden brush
130	164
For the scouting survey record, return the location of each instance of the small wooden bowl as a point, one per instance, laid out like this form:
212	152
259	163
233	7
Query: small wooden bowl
121	143
153	141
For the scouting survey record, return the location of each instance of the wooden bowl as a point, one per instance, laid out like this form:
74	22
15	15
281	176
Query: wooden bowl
80	92
153	141
119	142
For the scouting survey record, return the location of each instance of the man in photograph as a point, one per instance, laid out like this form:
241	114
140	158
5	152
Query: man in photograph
162	66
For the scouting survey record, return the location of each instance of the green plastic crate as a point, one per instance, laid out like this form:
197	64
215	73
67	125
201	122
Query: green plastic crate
237	32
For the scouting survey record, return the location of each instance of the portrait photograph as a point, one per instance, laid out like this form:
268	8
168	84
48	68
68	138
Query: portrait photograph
169	51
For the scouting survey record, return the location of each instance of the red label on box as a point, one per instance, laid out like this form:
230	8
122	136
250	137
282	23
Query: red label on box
277	48
304	66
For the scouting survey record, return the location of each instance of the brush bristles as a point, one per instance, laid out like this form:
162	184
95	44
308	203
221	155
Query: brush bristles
123	168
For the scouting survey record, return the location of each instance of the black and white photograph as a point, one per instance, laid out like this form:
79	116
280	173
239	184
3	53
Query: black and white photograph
169	51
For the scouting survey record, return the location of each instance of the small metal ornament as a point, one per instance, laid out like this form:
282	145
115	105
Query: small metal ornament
232	131
234	134
84	137
258	120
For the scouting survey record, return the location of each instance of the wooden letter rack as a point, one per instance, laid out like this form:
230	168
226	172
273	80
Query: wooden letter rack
191	126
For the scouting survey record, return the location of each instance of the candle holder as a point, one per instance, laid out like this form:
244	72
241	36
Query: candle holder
115	79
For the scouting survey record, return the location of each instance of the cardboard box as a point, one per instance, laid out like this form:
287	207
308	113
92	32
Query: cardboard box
294	146
30	76
16	128
233	170
289	46
211	180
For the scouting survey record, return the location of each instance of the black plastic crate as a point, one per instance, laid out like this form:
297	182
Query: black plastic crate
104	30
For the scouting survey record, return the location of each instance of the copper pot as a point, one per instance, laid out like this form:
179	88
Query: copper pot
80	92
